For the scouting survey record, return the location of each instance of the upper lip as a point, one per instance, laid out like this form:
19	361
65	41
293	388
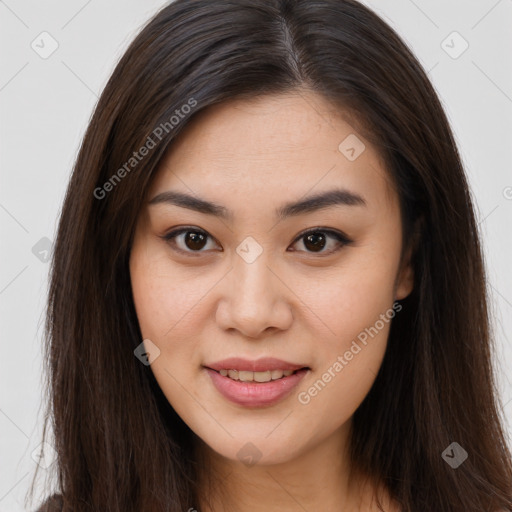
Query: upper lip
260	365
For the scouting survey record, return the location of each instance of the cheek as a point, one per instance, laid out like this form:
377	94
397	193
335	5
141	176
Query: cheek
162	296
352	297
153	295
165	303
359	313
354	306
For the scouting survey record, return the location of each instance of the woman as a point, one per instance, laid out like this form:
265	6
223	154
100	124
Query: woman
267	289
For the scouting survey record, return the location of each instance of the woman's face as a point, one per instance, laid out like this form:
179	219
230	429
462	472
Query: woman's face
245	280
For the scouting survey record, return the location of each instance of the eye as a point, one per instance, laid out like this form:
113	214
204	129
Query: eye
315	240
193	241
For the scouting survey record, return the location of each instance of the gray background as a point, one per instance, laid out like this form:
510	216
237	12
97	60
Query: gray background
45	104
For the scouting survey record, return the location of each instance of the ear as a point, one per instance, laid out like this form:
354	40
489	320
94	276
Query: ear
404	283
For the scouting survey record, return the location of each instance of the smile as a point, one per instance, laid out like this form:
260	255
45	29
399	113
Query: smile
247	376
249	392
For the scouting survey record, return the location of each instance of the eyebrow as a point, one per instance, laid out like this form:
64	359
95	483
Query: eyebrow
312	203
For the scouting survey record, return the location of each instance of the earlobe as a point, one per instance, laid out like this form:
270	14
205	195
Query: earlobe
405	283
405	280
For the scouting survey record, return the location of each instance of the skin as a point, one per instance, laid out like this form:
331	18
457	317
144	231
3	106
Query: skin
299	305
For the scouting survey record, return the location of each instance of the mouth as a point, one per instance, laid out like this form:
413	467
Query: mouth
255	383
257	377
256	389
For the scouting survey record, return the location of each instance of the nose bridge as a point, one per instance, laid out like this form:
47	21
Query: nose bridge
252	276
252	301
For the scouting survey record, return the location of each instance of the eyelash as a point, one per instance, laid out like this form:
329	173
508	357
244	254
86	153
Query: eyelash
340	237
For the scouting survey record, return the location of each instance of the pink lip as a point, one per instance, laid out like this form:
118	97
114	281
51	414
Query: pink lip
260	365
256	394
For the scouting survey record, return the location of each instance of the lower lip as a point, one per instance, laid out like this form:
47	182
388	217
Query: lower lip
256	394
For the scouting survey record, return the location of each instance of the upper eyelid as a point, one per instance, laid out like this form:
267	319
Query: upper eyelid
181	230
334	233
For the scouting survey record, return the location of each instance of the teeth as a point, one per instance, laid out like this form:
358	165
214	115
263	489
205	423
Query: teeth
246	376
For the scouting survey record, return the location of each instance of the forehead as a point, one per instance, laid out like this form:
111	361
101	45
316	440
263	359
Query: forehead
276	145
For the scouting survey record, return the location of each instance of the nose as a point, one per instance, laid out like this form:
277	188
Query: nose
255	299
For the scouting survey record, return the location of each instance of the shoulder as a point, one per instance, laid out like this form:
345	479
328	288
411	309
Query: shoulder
52	504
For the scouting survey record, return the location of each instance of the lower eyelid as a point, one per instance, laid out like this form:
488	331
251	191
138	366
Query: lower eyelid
342	239
170	238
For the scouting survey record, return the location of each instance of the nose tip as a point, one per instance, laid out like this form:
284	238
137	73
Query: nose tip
254	301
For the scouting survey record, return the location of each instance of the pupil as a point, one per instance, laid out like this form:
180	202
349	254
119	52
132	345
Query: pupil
195	240
317	240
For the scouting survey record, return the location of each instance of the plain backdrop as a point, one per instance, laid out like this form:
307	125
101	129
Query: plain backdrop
46	102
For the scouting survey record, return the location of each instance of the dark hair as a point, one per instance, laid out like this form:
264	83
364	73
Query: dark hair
120	445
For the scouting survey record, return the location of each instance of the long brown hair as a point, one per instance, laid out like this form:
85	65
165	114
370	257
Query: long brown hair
120	446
